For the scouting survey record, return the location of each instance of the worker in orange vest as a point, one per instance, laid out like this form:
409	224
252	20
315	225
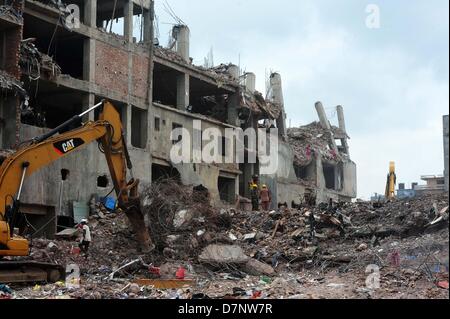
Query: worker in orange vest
266	197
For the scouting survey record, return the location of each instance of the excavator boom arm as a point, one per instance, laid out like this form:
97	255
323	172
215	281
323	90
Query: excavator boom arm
41	155
49	148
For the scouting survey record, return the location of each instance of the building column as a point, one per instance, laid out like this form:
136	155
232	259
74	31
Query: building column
89	60
341	119
148	24
126	113
326	126
183	86
128	20
149	36
232	109
88	101
90	13
277	97
183	34
90	19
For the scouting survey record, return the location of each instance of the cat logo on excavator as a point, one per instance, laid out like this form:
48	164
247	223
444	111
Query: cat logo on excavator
67	146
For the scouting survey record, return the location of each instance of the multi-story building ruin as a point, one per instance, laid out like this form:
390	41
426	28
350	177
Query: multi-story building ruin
52	68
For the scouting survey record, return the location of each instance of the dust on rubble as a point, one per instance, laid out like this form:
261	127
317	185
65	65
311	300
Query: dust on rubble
398	250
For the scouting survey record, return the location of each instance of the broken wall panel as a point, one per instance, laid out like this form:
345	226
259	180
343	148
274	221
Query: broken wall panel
11	51
10	15
111	68
140	76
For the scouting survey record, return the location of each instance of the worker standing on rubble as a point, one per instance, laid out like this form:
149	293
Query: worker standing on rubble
266	197
86	238
254	192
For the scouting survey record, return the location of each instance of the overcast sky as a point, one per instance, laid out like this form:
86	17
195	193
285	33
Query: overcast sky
393	81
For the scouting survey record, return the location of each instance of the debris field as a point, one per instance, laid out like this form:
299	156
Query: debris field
360	250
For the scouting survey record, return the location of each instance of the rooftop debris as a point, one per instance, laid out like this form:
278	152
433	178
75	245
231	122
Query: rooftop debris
258	105
169	54
287	258
219	74
222	70
56	4
9	83
11	13
310	139
37	63
253	101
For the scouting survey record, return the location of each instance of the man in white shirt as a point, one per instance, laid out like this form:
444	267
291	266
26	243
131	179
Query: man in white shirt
86	238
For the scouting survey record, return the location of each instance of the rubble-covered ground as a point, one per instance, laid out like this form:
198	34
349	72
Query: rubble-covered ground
226	253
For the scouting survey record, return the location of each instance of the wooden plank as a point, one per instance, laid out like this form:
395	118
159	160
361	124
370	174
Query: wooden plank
17	276
165	283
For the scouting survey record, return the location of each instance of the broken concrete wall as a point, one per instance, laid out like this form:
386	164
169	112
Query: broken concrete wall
285	170
113	70
191	174
206	175
12	40
282	184
350	178
288	188
289	193
43	188
8	114
11	32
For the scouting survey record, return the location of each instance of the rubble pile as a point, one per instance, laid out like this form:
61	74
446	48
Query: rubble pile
221	71
37	63
114	239
11	13
287	233
259	105
254	102
7	82
310	139
204	252
169	54
181	219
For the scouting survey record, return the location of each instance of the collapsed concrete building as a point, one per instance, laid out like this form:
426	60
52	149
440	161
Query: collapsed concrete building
314	164
52	69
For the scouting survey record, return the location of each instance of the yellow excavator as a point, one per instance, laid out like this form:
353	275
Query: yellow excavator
42	151
391	182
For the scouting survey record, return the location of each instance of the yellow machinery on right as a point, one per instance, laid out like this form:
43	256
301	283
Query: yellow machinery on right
391	182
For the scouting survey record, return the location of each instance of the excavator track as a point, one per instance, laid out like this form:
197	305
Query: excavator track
30	272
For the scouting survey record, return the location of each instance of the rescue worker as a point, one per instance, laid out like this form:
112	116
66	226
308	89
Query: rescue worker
266	197
86	238
254	193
